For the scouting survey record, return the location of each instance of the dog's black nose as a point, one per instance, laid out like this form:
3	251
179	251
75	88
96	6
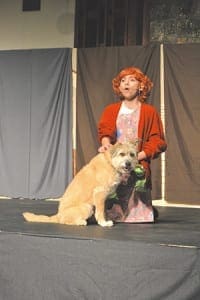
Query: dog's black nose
128	164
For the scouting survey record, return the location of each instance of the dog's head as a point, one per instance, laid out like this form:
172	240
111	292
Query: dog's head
124	156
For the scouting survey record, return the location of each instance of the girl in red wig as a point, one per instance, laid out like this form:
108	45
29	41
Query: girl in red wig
132	119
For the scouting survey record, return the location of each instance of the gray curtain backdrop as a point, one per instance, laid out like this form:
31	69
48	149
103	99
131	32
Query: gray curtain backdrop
96	69
35	123
182	80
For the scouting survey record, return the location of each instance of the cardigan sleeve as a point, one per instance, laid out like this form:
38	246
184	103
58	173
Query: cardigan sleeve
153	140
107	123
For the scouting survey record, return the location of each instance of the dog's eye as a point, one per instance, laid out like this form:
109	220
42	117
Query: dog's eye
132	154
122	154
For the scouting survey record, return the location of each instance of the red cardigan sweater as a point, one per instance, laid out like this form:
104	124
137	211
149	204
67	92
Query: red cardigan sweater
150	131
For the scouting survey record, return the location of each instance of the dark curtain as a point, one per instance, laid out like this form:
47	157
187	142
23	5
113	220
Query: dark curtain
96	69
35	122
182	79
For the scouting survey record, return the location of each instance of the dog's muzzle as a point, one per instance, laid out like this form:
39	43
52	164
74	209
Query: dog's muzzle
126	171
128	165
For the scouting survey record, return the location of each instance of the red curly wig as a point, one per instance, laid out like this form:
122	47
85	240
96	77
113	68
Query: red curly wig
146	84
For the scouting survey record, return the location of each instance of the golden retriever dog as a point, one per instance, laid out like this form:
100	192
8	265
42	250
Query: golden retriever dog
87	192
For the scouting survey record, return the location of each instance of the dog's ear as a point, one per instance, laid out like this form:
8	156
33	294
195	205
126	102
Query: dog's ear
118	144
114	147
135	143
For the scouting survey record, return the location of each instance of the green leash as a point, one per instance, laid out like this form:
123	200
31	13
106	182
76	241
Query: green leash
140	183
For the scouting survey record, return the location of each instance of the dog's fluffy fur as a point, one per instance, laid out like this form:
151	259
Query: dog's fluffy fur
87	192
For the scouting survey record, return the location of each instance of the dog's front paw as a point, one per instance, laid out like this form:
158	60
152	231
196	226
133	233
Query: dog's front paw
106	223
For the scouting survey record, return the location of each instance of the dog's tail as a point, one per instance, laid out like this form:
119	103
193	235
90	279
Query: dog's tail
40	218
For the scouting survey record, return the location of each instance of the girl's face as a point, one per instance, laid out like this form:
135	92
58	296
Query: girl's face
129	87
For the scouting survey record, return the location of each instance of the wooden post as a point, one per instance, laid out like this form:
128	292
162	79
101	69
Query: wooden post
162	114
74	86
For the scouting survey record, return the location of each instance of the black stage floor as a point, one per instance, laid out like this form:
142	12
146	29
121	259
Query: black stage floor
175	226
41	261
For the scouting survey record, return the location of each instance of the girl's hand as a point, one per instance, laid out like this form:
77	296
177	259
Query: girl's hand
105	144
104	148
142	155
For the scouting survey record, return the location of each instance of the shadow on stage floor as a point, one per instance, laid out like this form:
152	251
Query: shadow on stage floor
127	261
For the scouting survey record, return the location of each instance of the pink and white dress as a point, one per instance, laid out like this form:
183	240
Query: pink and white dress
130	206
